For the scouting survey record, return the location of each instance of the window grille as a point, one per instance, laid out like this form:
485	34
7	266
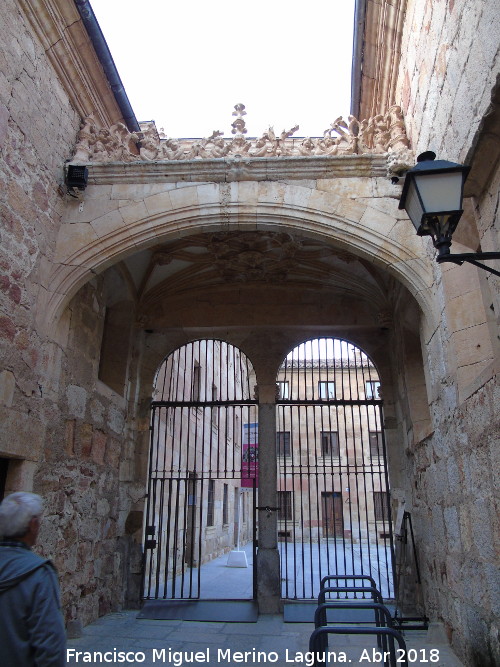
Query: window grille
376	443
283	443
380	505
285	505
210	502
372	389
326	390
330	444
225	497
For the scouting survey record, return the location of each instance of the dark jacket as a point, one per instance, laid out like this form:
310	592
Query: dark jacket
31	625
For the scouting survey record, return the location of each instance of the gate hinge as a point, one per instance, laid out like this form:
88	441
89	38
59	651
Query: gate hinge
268	509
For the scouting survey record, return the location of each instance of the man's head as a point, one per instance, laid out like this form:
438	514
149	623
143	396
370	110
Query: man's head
20	516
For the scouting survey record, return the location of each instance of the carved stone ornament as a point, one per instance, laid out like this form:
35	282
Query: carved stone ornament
382	134
251	256
161	258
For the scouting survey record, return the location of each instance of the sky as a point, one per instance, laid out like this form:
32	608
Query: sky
186	63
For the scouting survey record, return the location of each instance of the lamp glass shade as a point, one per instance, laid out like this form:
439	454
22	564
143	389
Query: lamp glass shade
440	192
413	205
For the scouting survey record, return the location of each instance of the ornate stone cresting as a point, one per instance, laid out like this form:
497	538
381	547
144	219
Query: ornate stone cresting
382	134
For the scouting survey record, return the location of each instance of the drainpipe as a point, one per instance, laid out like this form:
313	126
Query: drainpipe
106	59
357	56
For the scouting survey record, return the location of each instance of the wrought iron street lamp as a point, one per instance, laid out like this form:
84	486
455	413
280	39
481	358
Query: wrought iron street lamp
432	197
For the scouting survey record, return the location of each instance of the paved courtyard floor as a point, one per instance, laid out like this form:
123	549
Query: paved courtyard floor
124	638
303	566
269	641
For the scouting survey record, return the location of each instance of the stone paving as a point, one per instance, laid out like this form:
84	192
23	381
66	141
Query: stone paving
301	574
268	641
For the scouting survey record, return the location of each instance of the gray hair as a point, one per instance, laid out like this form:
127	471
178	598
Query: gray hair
16	512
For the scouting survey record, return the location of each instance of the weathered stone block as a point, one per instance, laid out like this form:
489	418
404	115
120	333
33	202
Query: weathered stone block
184	197
7	388
77	400
84	441
113	452
99	440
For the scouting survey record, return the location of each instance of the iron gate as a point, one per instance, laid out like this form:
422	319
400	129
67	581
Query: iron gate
202	470
333	487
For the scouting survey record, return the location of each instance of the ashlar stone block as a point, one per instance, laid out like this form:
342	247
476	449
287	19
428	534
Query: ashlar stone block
158	203
297	196
72	238
133	212
472	344
208	193
184	197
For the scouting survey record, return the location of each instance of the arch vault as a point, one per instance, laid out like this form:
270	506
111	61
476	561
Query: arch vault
348	202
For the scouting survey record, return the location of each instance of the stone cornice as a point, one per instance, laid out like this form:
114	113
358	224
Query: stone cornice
378	56
239	169
58	26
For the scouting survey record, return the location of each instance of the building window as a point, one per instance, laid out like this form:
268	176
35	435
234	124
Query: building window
326	390
380	499
376	448
330	444
210	502
225	497
283	443
372	389
283	388
285	505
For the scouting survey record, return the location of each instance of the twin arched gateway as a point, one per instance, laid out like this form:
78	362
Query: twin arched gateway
332	508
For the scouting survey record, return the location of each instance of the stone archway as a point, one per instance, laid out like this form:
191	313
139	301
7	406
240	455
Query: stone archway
354	212
260	264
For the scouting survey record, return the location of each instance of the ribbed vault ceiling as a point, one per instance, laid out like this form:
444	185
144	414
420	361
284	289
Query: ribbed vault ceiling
206	262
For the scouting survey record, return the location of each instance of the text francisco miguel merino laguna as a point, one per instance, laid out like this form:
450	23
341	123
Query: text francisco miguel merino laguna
228	656
207	656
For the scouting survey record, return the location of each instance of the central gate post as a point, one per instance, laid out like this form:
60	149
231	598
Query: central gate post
268	560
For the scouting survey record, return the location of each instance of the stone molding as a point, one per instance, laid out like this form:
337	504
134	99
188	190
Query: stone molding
380	56
378	135
239	169
58	26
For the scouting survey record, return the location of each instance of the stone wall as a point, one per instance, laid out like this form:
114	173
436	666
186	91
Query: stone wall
457	525
84	475
448	69
37	130
62	431
446	81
